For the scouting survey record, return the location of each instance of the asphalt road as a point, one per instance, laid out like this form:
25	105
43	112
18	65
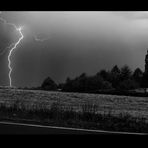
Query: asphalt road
6	128
19	128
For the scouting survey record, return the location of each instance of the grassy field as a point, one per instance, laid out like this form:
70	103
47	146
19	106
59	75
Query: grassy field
135	106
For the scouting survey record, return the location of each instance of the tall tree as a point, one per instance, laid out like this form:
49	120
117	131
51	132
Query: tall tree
137	75
115	70
115	76
146	63
126	73
144	83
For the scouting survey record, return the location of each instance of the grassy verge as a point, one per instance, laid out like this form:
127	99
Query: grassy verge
87	118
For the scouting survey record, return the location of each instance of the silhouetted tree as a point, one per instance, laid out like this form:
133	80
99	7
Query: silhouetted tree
95	83
115	76
82	82
146	63
137	75
49	84
85	83
144	82
126	73
115	70
104	74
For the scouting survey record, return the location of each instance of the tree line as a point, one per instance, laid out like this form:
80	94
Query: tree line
115	79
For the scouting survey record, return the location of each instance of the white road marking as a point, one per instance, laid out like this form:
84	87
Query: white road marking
75	129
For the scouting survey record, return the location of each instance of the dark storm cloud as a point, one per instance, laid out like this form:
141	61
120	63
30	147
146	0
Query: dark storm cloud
75	42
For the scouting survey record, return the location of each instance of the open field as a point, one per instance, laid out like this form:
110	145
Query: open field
136	106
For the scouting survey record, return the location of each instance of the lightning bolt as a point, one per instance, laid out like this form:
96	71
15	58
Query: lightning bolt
14	46
11	50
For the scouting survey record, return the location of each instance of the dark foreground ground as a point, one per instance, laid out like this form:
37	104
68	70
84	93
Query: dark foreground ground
10	128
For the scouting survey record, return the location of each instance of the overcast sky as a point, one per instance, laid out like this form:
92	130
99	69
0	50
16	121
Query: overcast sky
73	42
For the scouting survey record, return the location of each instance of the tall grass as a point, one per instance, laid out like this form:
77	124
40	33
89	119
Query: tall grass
88	117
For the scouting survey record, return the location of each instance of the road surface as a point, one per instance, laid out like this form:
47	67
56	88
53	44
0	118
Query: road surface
20	128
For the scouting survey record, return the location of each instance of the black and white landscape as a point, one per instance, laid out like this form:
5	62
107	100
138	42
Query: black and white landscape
83	70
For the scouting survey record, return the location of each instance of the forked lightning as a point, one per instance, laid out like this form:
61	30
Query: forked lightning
19	29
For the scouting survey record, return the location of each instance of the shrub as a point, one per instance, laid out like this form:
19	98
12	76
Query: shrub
49	84
128	85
